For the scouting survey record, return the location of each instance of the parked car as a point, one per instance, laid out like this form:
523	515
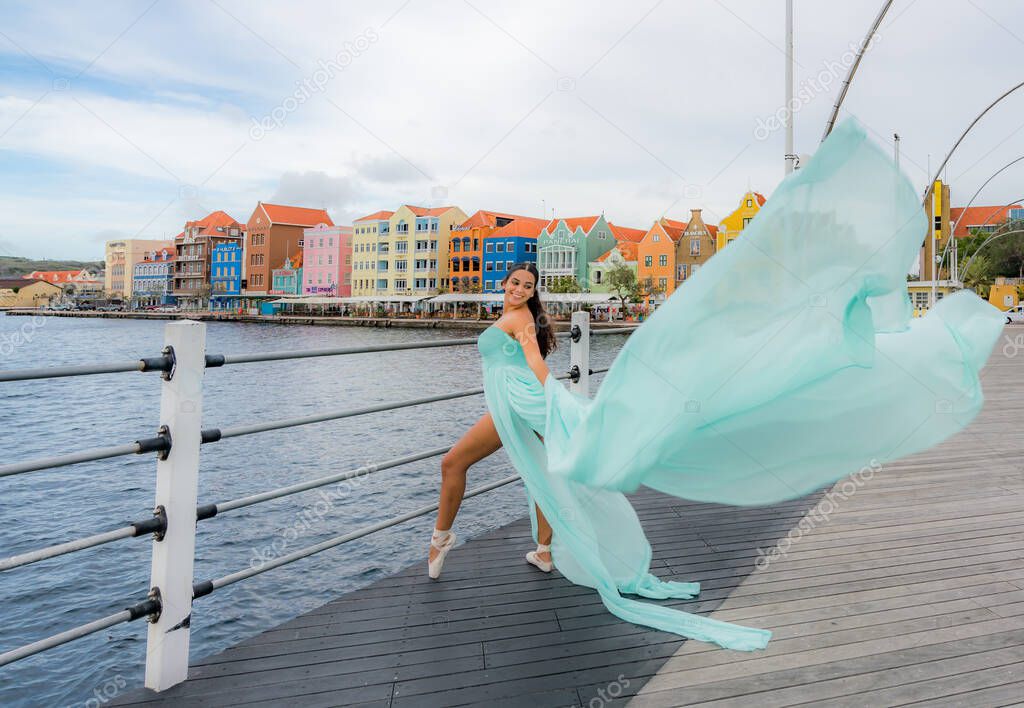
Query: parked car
1015	314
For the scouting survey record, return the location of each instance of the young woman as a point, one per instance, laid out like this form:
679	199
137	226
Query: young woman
789	362
524	318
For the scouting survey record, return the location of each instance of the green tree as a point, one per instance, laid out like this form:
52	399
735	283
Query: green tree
622	281
564	284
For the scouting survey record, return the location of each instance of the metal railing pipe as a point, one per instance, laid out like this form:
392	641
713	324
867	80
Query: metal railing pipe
320	482
143	609
205	588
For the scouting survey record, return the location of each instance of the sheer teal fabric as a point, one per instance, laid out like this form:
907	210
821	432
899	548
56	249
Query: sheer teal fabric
789	361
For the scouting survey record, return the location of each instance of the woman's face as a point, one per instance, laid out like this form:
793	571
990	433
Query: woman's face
519	288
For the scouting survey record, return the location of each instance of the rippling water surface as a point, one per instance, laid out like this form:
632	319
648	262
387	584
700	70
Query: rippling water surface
37	509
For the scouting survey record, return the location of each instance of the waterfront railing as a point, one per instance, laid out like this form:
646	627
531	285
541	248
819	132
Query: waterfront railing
182	364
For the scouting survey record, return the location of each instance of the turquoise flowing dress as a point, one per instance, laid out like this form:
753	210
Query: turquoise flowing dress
787	362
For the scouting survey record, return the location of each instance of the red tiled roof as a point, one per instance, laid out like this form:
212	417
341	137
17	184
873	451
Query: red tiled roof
525	226
760	199
376	216
209	223
626	248
55	276
978	215
296	216
624	233
584	222
486	218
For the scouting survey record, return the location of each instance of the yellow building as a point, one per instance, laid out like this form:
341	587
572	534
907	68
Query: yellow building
21	292
404	252
367	235
1004	295
121	257
733	224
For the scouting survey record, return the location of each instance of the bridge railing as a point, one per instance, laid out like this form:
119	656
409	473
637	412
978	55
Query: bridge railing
173	589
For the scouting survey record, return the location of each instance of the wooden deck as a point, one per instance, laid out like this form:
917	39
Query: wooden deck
911	592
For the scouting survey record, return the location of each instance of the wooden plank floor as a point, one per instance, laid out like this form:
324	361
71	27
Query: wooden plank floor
911	592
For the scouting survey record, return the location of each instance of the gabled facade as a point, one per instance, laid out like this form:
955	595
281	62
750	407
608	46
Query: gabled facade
698	242
656	257
287	280
566	246
193	253
733	225
623	254
275	232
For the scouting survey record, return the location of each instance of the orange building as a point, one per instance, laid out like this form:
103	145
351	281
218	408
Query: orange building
656	255
466	247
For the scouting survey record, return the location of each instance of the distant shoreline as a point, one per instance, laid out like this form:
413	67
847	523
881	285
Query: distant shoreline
333	321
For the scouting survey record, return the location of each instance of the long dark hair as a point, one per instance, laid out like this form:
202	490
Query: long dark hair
542	321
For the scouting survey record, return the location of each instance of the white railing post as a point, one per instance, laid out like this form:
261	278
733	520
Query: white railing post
177	481
579	353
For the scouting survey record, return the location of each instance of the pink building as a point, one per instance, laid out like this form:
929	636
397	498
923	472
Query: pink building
327	260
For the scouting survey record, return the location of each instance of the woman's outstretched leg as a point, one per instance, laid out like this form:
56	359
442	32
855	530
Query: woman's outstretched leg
479	441
543	535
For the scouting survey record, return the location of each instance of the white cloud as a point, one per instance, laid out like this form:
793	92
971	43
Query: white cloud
659	107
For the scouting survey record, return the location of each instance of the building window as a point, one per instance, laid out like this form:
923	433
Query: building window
663	283
750	202
508	265
656	238
648	261
694	246
745	222
499	247
489	285
488	248
489	266
663	260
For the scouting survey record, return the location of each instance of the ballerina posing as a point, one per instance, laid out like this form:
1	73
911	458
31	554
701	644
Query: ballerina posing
524	318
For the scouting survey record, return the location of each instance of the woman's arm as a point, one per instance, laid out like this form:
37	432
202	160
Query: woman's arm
526	332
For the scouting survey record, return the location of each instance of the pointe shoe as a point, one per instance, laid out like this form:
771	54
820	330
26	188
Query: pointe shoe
532	558
443	541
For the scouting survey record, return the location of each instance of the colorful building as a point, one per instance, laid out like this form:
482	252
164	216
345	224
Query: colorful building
193	255
982	218
20	292
275	232
368	233
508	245
226	277
287	280
466	246
327	261
695	245
412	256
566	246
79	285
656	260
732	225
121	256
154	279
623	254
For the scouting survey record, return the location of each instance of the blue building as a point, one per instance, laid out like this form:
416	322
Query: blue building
512	243
153	279
226	277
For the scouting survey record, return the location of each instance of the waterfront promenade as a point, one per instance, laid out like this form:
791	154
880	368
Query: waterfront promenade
330	320
908	590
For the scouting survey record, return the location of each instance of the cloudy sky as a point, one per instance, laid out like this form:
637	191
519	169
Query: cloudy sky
124	118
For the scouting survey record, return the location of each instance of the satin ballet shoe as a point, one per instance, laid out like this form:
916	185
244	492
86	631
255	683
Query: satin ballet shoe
532	558
443	541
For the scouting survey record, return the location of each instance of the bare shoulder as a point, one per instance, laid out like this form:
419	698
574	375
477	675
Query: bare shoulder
517	323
